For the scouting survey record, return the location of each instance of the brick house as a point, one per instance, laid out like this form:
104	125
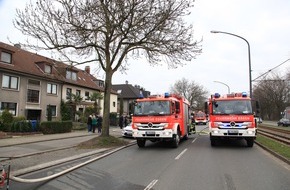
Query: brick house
31	82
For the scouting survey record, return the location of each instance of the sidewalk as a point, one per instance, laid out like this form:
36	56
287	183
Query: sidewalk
30	163
114	131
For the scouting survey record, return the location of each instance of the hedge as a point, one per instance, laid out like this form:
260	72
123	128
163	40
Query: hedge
52	127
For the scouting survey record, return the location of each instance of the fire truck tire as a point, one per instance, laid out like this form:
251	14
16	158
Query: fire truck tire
250	142
213	141
176	140
141	143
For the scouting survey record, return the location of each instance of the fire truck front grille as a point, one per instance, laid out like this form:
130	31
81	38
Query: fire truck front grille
155	126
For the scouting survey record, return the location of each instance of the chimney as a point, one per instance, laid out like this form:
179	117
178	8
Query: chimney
126	82
88	69
17	45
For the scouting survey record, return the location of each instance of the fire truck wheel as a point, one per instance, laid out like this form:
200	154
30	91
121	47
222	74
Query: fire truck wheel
250	142
176	140
141	143
213	141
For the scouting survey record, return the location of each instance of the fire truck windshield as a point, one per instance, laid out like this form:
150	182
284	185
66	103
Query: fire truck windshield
232	107
152	108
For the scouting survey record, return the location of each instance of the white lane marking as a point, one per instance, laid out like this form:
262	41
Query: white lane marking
193	140
151	184
177	157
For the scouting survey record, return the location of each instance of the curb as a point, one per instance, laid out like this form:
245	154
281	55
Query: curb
287	161
72	158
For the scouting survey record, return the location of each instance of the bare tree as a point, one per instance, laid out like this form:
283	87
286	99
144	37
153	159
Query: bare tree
194	93
108	32
272	92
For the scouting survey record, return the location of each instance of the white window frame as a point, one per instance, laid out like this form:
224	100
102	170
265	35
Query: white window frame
51	88
30	98
11	80
12	111
54	110
6	57
47	69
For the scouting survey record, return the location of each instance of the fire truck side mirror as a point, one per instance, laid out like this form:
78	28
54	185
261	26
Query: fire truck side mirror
205	108
177	107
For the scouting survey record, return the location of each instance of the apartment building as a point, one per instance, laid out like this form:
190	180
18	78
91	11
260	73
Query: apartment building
31	82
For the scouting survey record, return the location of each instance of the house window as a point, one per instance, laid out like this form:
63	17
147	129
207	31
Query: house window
32	96
11	107
10	82
51	88
68	93
6	57
71	75
47	69
53	110
78	93
114	104
34	82
101	83
87	95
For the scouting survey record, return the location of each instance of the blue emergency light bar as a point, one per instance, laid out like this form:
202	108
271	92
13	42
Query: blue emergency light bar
244	94
166	94
217	95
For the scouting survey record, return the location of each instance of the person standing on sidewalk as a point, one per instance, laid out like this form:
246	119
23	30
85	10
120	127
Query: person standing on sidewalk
125	120
99	124
121	121
89	123
94	123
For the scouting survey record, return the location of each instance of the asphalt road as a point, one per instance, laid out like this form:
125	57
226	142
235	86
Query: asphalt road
193	165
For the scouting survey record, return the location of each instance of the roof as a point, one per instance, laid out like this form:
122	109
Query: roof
29	63
127	91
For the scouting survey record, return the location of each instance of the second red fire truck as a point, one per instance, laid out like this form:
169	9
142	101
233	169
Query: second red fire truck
161	118
232	116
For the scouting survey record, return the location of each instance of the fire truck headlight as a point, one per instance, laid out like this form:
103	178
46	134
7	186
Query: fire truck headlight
215	132
250	132
167	133
216	124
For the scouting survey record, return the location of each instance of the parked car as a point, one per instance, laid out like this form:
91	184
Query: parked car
127	131
284	122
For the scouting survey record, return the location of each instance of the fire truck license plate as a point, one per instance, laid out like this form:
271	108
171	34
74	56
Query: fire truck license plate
150	132
233	131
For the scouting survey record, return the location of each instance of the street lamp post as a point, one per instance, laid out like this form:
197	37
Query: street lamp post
249	54
229	91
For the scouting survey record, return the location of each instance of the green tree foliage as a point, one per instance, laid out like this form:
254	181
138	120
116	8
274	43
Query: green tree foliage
6	117
96	97
65	111
49	113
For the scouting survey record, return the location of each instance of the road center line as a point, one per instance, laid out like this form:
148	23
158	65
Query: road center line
177	157
151	184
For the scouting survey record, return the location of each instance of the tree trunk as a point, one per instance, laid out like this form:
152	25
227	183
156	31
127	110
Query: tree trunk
107	100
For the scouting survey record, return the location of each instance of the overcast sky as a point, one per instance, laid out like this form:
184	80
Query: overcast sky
265	24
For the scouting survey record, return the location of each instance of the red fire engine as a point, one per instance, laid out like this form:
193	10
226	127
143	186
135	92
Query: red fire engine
161	118
231	116
200	118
